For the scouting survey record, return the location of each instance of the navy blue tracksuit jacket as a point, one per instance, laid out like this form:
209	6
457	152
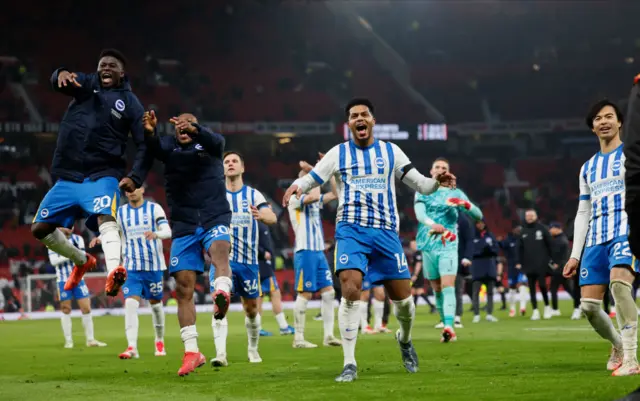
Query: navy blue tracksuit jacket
485	251
265	244
194	180
465	242
94	131
510	247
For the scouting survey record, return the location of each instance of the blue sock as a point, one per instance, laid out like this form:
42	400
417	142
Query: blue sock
448	305
439	304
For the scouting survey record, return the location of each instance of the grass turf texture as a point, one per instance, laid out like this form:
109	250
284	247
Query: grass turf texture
516	358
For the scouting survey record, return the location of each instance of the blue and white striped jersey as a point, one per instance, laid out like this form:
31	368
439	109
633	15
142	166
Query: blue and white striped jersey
602	183
244	228
62	264
138	253
306	223
365	178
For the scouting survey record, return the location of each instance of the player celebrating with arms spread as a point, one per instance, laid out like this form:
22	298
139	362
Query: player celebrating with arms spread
248	206
367	231
602	225
89	160
200	218
437	238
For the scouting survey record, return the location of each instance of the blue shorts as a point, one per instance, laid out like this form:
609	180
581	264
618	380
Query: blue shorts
187	251
366	284
516	277
67	201
598	260
79	292
311	271
269	285
144	284
245	280
374	251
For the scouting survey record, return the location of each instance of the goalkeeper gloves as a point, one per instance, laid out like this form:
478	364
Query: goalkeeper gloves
446	236
457	202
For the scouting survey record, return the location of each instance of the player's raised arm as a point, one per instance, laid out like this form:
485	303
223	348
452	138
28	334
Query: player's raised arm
70	83
581	225
406	173
141	165
210	141
321	172
462	202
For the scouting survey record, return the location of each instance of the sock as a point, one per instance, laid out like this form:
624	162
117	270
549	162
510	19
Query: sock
58	243
378	310
111	244
189	336
131	322
253	330
66	327
628	318
348	320
364	309
592	309
282	321
328	313
415	299
524	294
449	305
87	322
426	299
405	312
157	317
512	298
220	331
440	305
299	317
222	283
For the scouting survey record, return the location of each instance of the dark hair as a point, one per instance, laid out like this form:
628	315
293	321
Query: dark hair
117	54
359	101
233	152
442	159
595	109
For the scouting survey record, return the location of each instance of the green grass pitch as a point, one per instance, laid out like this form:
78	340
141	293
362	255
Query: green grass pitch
515	358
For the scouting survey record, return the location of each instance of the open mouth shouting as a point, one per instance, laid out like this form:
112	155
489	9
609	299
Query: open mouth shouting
106	78
361	130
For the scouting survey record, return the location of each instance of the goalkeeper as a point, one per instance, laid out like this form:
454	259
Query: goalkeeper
437	216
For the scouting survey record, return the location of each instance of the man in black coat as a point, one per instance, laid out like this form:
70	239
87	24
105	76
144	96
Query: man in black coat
534	254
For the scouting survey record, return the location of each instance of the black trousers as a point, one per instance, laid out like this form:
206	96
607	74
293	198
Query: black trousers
540	280
569	286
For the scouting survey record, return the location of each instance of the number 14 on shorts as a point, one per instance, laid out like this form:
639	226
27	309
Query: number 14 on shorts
402	262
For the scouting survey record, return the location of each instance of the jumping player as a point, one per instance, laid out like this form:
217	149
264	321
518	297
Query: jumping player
80	293
601	227
367	225
89	160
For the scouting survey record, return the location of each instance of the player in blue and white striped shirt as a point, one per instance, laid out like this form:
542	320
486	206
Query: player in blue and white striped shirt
312	273
248	206
64	267
143	225
602	225
367	239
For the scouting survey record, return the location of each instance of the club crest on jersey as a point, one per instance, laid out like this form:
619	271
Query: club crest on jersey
245	204
616	166
119	105
380	162
199	147
145	219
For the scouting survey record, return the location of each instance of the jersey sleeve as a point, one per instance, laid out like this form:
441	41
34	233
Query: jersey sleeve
401	161
160	215
259	200
585	191
581	222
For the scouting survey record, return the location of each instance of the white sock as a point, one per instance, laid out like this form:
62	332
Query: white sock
66	327
87	322
348	320
157	317
222	283
512	298
524	295
253	330
189	336
131	323
592	309
111	244
299	317
364	308
405	311
628	318
282	321
378	311
327	311
220	331
58	243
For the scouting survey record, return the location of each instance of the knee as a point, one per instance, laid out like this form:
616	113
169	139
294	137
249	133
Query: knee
251	308
41	230
66	309
590	307
105	218
184	291
351	290
219	253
